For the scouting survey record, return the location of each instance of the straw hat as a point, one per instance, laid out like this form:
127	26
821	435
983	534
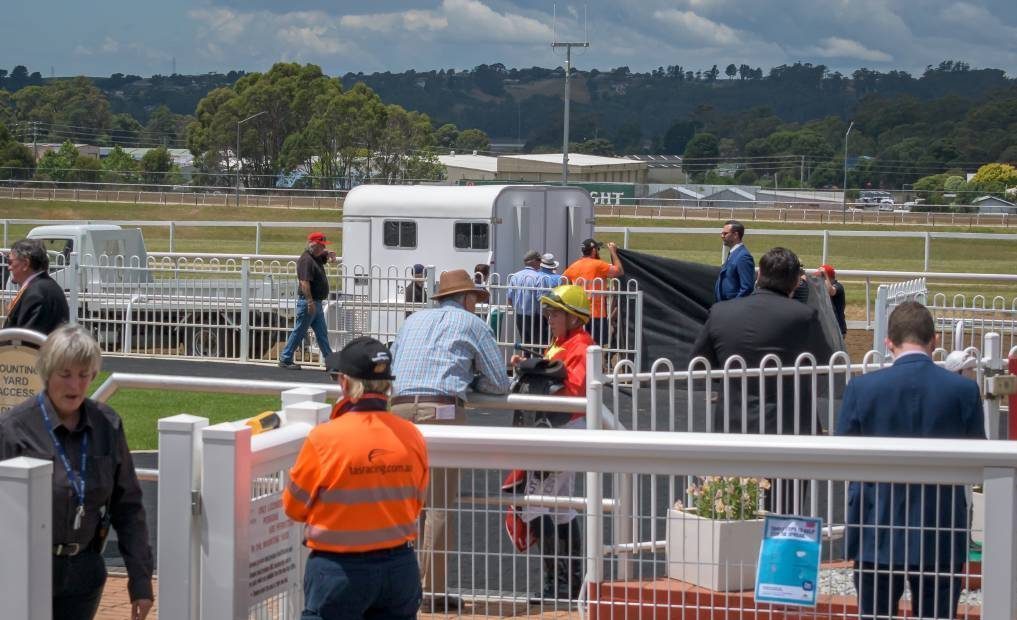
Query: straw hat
458	281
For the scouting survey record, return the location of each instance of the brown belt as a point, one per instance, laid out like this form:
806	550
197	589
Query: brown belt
428	399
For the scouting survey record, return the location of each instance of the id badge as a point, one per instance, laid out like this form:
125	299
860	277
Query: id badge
445	412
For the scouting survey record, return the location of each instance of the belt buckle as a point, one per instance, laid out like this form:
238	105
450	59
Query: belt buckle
67	549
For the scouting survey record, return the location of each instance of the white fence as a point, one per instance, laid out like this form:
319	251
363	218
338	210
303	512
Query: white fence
244	309
888	297
626	483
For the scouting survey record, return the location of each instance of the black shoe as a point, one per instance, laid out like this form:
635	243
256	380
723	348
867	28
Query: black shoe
289	365
440	603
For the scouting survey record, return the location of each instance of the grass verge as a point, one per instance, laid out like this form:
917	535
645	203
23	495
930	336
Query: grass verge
141	409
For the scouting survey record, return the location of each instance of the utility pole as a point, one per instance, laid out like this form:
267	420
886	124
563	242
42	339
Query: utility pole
236	155
801	181
843	205
568	69
35	146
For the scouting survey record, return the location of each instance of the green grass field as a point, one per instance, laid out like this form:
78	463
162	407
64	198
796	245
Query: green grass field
141	409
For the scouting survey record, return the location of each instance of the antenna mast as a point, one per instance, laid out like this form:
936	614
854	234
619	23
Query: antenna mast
568	69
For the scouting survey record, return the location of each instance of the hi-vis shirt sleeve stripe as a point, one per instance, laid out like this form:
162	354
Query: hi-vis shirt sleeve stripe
351	538
298	493
370	495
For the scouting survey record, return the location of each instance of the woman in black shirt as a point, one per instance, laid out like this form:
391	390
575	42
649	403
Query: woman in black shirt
94	482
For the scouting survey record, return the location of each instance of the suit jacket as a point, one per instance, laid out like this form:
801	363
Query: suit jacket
737	277
42	307
754	326
917	525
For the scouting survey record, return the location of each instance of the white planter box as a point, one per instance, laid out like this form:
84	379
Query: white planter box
715	554
978	517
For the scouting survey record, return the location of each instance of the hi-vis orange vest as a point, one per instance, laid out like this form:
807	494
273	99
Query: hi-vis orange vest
359	482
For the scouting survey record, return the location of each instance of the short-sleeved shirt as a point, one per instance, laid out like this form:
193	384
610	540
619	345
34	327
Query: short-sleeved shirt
312	269
838	300
591	274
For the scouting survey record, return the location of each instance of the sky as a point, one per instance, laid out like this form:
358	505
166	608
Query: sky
70	37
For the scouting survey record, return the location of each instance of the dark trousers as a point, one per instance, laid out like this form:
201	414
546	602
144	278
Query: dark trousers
380	585
77	585
532	329
600	329
880	588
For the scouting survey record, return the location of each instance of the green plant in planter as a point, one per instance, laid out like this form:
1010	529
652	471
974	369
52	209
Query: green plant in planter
728	497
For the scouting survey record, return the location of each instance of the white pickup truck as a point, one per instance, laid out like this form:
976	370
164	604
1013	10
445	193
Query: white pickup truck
131	303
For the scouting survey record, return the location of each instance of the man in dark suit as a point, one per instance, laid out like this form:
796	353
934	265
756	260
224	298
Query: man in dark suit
764	323
917	532
738	274
39	304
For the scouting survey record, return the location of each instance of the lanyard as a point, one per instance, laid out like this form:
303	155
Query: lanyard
77	480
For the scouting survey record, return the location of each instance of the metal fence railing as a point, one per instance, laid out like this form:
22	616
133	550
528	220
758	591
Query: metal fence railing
244	309
636	555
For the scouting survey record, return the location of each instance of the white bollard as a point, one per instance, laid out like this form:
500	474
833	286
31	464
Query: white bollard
308	412
302	394
26	548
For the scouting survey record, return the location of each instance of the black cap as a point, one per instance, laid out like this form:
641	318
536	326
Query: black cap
589	244
363	358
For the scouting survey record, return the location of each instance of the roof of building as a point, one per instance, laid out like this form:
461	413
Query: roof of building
575	159
737	191
998	201
658	161
483	163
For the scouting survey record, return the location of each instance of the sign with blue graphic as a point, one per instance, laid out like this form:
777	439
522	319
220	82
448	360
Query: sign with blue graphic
788	568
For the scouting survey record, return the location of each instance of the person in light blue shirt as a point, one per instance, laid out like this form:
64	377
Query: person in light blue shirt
526	287
549	267
438	355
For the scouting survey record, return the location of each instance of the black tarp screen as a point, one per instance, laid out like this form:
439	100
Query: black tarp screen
677	296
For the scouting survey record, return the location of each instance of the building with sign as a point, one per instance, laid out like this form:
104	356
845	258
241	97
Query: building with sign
543	168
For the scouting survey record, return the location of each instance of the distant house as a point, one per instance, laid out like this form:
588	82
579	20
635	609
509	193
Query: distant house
731	198
662	168
40	149
994	206
677	196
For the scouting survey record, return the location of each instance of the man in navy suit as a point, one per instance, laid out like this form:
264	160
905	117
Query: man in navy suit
738	275
39	304
917	532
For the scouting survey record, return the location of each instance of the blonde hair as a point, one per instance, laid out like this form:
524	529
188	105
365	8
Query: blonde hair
71	345
355	388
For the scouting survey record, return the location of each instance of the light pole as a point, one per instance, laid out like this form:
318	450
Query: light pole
565	140
236	153
843	206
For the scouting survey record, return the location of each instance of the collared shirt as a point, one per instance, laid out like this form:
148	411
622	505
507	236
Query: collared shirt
733	248
110	480
311	269
526	287
551	279
437	352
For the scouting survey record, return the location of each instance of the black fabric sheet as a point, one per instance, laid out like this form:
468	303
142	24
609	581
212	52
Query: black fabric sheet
677	296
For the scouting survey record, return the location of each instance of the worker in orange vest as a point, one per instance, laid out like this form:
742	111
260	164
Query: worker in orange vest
359	484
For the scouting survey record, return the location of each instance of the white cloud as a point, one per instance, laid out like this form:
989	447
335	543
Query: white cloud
837	47
411	21
695	28
109	46
221	24
474	20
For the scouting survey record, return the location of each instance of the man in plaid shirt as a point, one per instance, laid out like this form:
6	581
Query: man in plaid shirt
438	355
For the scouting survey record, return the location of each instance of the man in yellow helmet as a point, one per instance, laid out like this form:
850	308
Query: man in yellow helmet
567	310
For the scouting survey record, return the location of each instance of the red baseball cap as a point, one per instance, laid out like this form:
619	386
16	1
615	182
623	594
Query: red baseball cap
829	271
317	237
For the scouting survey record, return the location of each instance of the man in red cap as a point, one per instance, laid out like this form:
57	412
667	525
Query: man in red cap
313	290
836	291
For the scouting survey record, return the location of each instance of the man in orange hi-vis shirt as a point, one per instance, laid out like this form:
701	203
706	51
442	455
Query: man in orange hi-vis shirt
358	484
592	273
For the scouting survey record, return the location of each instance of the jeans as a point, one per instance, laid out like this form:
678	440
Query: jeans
377	585
305	320
77	585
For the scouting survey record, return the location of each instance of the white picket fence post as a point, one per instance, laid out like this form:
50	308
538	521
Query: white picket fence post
179	537
26	548
226	504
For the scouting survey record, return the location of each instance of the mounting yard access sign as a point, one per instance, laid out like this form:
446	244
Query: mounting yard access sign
788	567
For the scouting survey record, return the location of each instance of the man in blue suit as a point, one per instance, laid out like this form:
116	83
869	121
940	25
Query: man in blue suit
917	532
738	275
